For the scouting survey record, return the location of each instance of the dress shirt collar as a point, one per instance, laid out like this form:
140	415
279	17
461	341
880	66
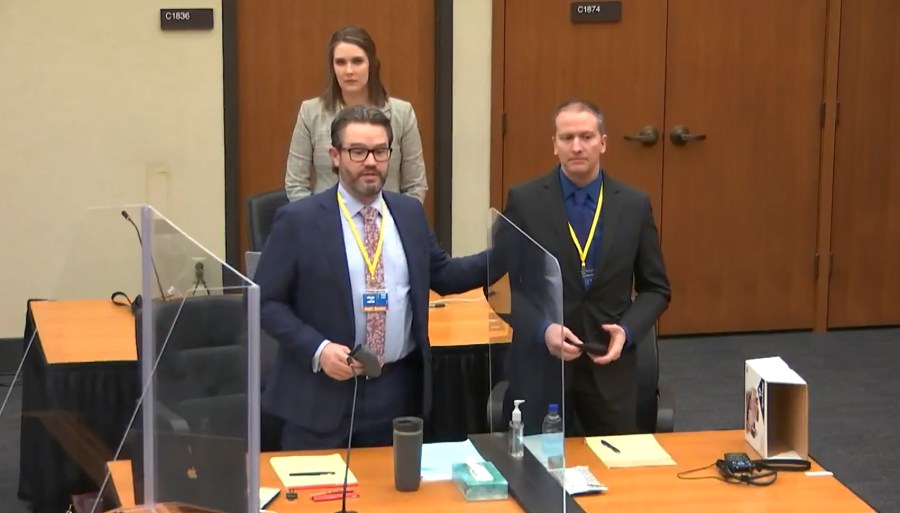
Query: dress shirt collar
570	188
354	206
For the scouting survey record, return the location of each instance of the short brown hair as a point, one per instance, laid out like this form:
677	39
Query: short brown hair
582	106
359	114
359	37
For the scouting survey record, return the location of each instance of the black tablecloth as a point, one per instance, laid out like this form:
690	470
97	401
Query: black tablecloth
463	377
98	396
103	395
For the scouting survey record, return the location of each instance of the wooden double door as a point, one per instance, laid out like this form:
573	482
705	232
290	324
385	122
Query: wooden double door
733	91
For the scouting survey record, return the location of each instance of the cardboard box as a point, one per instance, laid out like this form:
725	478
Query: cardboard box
776	409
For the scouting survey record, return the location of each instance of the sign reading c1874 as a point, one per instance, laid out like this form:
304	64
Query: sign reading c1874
595	12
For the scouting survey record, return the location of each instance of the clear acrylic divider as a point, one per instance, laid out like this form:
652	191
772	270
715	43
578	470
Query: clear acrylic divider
193	439
525	290
79	337
139	385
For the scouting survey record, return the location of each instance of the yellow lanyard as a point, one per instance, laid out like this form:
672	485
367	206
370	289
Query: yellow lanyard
371	263
583	251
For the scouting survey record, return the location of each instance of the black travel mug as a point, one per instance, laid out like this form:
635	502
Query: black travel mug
407	453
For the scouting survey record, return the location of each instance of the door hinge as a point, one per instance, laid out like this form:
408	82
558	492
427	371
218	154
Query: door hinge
503	124
816	266
822	115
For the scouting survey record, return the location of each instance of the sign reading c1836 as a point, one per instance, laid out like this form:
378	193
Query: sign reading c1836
186	19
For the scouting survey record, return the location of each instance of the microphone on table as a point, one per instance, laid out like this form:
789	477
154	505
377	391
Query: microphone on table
136	304
371	369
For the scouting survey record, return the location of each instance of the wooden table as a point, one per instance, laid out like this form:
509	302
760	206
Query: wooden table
83	331
464	320
96	330
86	348
645	489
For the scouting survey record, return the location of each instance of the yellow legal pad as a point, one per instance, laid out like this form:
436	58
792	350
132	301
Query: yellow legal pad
311	471
634	451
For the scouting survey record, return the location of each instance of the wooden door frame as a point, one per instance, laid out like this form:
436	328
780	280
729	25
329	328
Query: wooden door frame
233	207
826	161
443	128
498	77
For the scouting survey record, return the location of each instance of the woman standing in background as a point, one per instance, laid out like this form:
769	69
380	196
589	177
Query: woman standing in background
354	79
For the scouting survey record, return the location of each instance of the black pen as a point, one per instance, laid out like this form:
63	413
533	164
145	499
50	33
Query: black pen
318	473
611	446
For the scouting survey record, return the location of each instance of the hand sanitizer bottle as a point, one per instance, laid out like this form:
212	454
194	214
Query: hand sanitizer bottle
516	432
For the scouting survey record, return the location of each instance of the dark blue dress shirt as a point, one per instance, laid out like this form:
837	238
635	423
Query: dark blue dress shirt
580	203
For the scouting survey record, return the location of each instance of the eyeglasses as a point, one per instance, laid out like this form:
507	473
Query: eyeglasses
361	154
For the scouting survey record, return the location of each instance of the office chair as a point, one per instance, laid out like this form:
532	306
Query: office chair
655	401
261	210
201	376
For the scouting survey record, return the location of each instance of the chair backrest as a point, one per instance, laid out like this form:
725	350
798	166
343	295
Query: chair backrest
203	368
261	214
647	382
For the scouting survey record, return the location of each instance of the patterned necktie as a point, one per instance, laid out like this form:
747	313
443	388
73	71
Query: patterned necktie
375	321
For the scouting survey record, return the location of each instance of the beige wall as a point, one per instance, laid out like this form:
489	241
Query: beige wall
100	107
471	124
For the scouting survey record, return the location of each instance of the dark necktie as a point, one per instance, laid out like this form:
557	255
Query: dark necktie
583	216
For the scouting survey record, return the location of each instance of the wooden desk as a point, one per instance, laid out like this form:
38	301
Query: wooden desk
96	330
85	363
466	319
630	490
82	331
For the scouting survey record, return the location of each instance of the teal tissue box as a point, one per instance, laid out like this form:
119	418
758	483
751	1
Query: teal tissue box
480	481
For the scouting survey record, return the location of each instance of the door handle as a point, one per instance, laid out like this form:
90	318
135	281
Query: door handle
647	136
681	135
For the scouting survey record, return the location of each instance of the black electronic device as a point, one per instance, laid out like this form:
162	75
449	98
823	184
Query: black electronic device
371	367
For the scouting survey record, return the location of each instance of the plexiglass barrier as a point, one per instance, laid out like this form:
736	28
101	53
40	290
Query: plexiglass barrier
141	383
526	291
77	384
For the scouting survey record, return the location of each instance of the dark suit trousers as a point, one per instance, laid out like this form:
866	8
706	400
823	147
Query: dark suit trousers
603	397
379	402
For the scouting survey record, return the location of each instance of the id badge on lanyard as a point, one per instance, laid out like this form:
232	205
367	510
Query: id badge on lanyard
374	297
587	273
375	300
587	276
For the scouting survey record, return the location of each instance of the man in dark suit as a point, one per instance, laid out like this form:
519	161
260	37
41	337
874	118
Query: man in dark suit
603	234
353	266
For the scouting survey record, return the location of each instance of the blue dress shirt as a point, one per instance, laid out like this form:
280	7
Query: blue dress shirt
581	203
398	325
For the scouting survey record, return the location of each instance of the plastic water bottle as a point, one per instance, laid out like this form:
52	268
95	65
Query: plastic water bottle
553	439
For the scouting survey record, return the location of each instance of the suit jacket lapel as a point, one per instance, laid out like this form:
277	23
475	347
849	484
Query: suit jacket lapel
332	239
612	209
558	221
402	221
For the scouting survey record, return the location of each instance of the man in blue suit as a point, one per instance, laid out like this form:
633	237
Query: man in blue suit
352	266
